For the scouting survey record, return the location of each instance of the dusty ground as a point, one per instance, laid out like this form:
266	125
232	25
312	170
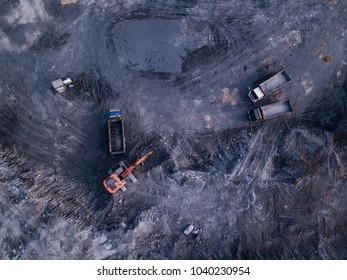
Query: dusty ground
179	71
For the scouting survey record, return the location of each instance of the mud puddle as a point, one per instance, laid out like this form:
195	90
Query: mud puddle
158	45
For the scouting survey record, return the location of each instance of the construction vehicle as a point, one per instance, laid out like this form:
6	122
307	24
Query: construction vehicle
270	85
270	111
191	229
116	139
61	85
117	178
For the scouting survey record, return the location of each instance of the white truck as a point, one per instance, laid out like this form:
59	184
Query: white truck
269	86
61	85
270	111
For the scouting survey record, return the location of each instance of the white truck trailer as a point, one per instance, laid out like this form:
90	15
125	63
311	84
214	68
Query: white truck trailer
270	85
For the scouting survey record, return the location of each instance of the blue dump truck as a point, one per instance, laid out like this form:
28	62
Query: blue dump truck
270	111
116	137
270	85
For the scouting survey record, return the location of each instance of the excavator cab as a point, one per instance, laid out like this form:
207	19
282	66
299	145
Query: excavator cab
113	183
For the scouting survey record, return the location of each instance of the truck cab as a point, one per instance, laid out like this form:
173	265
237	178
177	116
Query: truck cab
255	94
254	115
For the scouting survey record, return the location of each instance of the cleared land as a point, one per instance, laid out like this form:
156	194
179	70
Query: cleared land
179	72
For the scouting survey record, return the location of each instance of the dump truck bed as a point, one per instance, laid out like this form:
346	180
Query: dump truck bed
116	132
276	109
275	82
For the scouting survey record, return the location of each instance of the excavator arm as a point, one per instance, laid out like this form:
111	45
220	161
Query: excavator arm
126	172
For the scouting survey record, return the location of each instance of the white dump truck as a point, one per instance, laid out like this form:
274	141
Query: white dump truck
61	85
270	111
270	85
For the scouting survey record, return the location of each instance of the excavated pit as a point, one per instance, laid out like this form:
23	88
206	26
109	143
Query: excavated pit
159	45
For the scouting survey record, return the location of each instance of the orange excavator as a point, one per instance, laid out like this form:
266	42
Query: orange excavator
117	177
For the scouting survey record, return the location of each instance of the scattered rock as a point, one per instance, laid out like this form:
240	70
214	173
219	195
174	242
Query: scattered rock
326	58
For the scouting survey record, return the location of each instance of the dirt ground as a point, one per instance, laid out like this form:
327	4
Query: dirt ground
180	72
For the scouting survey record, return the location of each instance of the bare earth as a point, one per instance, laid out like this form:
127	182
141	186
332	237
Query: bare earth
179	71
